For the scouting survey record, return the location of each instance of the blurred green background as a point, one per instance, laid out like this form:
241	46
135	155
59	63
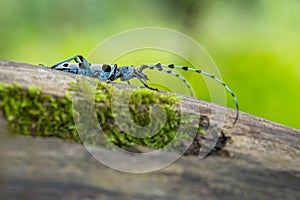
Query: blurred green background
254	43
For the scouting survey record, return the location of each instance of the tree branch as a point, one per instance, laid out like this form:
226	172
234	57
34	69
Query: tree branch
254	151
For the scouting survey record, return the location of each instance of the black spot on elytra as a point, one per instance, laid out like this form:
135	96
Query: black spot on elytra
106	68
66	65
185	68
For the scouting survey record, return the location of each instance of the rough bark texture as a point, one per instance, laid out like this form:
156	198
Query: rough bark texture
260	161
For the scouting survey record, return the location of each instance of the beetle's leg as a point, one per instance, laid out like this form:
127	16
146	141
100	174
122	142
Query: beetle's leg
147	86
83	63
66	61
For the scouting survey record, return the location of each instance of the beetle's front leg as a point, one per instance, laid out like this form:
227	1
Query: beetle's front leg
66	61
83	63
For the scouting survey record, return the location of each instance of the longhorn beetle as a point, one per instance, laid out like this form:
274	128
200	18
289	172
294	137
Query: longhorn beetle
110	72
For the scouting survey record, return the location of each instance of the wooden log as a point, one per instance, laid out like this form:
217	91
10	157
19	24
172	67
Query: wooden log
260	160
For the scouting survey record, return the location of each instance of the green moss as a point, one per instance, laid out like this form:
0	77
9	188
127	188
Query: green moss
139	103
30	112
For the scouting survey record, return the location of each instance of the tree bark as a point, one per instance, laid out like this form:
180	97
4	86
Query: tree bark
259	158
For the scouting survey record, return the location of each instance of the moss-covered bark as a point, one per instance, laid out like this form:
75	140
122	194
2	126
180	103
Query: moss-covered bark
30	112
